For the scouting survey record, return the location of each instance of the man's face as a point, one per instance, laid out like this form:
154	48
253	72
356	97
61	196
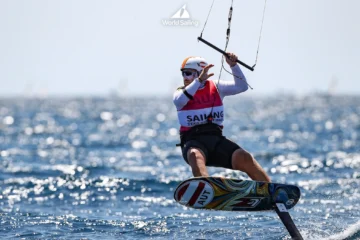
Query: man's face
189	75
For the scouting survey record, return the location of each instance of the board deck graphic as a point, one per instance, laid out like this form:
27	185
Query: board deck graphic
220	193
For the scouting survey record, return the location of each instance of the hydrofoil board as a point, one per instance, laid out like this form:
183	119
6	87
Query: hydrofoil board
220	193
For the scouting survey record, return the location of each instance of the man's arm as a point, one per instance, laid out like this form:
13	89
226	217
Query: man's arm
239	84
183	95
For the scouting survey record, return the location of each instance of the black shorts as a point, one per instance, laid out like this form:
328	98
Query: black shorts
218	149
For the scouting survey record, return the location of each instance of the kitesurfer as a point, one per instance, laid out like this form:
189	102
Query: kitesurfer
200	109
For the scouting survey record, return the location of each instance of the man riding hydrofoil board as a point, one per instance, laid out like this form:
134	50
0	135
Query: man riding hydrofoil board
200	109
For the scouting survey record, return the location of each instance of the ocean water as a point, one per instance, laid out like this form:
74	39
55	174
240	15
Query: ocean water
106	168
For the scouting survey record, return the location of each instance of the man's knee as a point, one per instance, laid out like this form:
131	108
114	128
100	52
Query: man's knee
195	155
197	162
242	160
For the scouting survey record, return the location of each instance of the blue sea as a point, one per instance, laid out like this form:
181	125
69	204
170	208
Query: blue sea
106	168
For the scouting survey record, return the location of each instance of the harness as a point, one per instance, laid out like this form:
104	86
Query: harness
200	130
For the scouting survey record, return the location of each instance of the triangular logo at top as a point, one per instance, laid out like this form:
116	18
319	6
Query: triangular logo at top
181	13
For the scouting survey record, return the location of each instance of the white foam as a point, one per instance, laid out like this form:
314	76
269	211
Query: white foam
351	230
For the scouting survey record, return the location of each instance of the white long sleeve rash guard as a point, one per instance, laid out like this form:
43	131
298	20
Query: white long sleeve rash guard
225	88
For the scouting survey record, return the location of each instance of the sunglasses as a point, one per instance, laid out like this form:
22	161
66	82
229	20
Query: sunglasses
188	73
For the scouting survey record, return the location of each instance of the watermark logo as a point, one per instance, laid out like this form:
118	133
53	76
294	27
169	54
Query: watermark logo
181	18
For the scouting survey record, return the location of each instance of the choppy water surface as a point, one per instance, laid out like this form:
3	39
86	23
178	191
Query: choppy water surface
92	168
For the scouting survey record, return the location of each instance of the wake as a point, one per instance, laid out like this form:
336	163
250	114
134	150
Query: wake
352	232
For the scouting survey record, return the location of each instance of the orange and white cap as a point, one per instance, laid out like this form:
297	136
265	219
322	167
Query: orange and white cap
197	63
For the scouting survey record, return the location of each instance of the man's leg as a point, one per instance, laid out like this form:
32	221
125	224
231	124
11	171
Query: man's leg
197	162
244	161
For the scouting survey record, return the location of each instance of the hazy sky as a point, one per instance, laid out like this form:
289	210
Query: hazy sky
94	47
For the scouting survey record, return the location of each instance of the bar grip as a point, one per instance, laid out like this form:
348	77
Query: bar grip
223	52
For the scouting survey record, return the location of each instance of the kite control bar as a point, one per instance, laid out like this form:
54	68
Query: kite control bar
223	52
